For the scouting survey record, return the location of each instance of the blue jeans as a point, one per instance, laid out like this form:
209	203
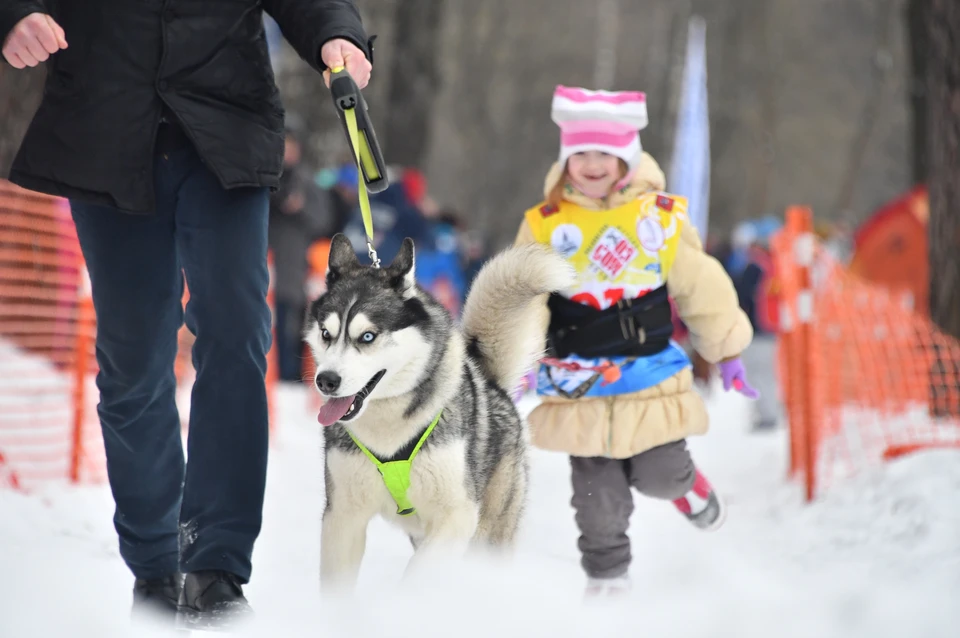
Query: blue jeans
206	513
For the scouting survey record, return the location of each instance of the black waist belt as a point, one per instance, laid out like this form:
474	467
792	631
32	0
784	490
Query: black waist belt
631	328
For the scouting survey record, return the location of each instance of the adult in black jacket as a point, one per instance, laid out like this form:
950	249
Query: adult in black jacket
162	124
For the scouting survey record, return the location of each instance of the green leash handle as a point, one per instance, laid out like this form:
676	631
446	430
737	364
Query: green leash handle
347	98
372	171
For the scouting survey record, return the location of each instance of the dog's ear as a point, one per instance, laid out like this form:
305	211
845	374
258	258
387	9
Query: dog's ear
401	271
342	257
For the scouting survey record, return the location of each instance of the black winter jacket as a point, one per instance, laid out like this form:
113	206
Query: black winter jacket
92	137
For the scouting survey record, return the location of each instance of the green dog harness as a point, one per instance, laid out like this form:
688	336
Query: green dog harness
396	474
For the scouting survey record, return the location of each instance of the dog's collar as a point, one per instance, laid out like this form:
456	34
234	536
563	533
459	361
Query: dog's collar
396	474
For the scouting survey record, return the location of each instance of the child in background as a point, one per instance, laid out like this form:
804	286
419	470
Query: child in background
760	303
616	391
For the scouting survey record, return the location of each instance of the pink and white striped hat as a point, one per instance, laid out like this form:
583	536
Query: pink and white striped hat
605	121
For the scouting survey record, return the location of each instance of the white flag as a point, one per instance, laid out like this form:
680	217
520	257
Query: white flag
690	165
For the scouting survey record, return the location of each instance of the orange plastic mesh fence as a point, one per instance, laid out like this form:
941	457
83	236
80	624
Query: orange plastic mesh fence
49	428
864	379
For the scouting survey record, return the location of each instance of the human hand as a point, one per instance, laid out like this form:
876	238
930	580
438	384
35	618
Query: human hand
339	52
735	376
32	41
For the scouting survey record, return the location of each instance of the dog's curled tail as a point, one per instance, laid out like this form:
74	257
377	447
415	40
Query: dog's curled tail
505	316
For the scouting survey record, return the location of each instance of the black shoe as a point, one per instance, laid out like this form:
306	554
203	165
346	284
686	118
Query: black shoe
156	599
212	600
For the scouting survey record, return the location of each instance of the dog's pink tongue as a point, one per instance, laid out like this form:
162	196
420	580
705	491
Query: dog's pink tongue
334	409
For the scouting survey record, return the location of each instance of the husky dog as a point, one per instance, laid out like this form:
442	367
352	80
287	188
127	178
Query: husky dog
389	361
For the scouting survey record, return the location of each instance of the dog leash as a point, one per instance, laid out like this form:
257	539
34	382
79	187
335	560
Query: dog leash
608	372
371	170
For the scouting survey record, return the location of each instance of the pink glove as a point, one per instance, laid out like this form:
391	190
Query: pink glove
735	376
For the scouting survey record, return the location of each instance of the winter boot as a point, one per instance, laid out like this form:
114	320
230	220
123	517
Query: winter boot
702	505
212	600
155	600
607	588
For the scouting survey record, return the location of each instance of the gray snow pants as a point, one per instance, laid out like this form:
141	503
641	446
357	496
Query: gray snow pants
603	500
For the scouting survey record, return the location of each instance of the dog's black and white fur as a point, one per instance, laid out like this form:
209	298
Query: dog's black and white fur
378	337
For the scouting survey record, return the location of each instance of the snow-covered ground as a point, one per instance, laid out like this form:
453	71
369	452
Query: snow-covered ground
876	556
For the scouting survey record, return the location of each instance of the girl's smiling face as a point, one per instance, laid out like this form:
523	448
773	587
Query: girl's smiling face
594	172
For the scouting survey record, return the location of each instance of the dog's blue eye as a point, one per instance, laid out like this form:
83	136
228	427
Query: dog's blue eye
324	334
367	337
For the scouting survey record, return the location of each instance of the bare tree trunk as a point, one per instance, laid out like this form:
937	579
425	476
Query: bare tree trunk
916	22
943	94
20	92
843	208
415	78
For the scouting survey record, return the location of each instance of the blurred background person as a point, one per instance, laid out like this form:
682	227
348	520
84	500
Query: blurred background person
300	214
754	282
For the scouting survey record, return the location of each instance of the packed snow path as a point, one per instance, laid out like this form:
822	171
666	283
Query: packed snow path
877	556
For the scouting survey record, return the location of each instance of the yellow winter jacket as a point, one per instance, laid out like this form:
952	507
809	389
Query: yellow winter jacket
625	425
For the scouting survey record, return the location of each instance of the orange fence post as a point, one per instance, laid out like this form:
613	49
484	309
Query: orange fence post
86	320
786	287
184	343
793	253
317	256
273	373
800	221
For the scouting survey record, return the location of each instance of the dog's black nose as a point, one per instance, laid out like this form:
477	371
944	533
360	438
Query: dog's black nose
328	382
